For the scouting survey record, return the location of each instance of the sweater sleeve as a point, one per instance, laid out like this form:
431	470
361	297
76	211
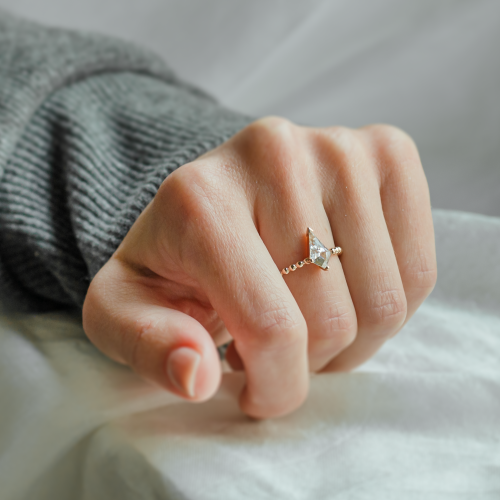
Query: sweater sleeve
89	128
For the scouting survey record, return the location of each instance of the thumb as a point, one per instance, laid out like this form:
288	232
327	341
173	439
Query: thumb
125	318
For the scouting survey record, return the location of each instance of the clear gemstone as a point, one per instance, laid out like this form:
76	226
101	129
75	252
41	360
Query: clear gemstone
318	253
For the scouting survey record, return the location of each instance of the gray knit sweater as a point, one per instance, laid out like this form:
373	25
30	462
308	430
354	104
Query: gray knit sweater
89	128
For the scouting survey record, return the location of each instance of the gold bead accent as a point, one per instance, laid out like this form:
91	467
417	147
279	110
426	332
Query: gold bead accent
294	267
308	260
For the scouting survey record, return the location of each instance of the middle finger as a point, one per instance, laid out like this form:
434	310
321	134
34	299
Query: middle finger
287	206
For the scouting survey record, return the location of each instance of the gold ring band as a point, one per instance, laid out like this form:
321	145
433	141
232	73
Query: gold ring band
318	254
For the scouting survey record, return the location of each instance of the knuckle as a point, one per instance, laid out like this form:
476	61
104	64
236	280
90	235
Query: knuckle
278	327
391	141
339	327
272	146
389	134
386	313
141	329
342	141
272	141
271	129
421	279
190	188
344	151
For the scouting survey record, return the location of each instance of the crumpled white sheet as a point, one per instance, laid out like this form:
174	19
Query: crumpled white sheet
420	420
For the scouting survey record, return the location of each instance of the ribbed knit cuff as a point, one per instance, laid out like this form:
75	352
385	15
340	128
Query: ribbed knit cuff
89	128
88	163
36	60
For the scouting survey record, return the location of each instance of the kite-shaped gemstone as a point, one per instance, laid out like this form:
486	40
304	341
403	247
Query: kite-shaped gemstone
318	253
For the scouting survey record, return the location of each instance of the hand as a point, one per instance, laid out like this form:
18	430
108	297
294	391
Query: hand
201	265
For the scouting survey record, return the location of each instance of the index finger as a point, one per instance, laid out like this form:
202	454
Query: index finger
245	287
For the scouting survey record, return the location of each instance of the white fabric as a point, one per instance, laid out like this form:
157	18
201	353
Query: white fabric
420	420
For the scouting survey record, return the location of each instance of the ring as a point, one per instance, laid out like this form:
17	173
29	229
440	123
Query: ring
318	254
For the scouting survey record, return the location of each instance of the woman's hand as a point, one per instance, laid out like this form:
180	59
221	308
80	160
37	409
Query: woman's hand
201	265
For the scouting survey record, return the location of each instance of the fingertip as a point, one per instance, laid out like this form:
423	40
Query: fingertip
193	372
278	406
182	369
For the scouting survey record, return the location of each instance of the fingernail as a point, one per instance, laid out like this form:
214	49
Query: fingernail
182	366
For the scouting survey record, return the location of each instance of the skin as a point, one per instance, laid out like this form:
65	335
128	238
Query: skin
201	265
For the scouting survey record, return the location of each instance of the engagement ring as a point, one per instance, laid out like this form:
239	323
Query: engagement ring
318	254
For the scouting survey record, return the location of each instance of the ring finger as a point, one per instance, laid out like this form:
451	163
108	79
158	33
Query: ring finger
285	212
